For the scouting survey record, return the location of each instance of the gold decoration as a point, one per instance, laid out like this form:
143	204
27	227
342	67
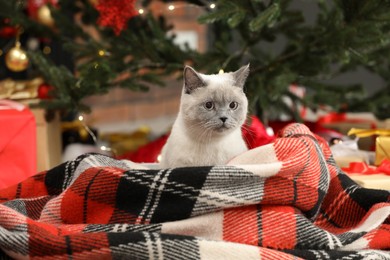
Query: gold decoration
369	132
382	149
122	143
16	58
44	16
46	50
382	142
93	2
78	126
20	89
101	53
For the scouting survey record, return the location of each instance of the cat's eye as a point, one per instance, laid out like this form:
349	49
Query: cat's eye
233	105
209	105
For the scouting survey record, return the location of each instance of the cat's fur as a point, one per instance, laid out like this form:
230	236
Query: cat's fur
207	133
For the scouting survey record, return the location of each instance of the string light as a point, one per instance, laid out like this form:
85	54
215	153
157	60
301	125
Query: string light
172	7
104	148
212	6
270	131
101	53
94	138
46	50
221	71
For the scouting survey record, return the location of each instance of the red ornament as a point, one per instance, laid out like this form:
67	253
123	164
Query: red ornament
8	32
44	91
116	13
6	29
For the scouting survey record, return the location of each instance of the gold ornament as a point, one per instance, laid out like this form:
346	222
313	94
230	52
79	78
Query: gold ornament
16	58
20	89
93	2
44	16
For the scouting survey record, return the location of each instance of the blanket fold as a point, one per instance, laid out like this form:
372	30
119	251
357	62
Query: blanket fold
285	200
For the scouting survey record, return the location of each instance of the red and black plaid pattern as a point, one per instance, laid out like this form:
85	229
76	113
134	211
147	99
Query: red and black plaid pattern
285	200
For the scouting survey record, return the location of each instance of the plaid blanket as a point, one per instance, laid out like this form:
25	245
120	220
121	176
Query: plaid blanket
285	200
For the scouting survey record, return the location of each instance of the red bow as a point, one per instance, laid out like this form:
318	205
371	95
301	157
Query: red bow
364	168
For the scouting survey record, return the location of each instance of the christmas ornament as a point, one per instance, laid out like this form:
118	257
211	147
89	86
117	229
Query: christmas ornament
115	13
8	32
44	16
93	2
44	91
39	10
16	58
19	89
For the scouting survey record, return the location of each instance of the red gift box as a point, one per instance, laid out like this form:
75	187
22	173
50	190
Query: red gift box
17	143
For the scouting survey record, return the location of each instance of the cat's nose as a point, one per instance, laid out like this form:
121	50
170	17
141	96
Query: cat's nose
223	119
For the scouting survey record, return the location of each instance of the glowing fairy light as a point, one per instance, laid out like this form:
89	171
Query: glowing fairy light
221	71
46	50
141	11
212	6
87	130
171	7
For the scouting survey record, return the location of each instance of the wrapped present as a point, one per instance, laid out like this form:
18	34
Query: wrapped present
122	143
382	143
347	151
370	176
17	143
343	122
382	149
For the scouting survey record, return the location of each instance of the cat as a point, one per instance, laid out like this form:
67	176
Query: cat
207	130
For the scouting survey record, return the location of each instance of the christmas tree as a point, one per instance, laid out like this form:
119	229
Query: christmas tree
113	44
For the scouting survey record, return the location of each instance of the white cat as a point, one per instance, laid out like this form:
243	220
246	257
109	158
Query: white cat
207	130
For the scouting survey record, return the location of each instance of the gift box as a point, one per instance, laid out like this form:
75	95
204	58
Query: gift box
343	122
382	149
17	143
374	181
369	176
382	143
48	136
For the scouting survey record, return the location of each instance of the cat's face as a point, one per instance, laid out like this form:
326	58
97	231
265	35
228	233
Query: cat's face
213	105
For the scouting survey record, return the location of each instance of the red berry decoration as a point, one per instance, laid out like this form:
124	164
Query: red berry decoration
44	91
115	13
8	32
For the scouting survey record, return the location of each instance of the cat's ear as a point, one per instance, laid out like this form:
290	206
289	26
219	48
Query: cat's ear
240	75
192	80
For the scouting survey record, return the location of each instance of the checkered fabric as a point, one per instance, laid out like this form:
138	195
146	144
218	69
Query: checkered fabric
285	200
